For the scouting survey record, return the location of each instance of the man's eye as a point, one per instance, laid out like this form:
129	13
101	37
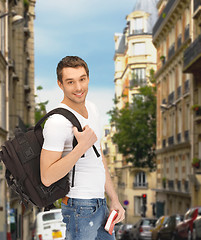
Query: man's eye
70	82
82	79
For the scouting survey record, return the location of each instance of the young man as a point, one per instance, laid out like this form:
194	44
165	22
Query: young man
84	208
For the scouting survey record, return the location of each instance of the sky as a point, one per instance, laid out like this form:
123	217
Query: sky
84	28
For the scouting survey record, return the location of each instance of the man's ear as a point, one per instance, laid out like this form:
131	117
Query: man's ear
60	84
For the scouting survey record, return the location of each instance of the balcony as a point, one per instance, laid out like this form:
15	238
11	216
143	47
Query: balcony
171	184
140	185
161	19
179	138
164	143
179	185
187	32
186	86
171	141
141	82
197	8
186	186
178	92
171	51
192	57
171	98
179	41
172	7
186	136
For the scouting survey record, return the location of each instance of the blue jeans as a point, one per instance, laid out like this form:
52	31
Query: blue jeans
85	219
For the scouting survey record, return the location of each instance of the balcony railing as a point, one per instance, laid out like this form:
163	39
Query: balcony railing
140	185
179	41
186	136
171	51
171	98
138	82
198	112
186	86
163	15
178	92
197	4
170	140
192	56
186	186
179	185
171	184
178	137
187	32
164	143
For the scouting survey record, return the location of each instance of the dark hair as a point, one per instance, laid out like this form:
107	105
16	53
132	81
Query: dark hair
73	62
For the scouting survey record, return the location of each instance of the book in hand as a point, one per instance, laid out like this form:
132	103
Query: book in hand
109	226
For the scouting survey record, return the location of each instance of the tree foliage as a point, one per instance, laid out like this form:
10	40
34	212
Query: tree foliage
40	108
135	126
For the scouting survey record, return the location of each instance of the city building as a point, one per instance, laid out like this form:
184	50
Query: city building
17	102
175	34
135	56
191	64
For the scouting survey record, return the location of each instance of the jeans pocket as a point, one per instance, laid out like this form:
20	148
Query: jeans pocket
86	211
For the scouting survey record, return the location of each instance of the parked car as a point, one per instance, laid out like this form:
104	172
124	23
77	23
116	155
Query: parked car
167	231
117	226
123	230
142	229
197	226
49	225
184	229
158	226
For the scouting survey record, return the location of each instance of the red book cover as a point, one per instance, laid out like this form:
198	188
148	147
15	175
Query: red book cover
109	226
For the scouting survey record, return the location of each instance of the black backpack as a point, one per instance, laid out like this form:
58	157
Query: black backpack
21	156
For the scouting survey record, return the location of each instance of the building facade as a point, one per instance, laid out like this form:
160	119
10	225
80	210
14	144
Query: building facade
135	56
17	102
176	125
191	65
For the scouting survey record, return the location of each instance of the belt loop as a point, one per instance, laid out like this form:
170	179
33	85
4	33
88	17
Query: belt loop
98	202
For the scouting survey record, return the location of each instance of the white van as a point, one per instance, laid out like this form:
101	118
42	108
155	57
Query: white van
49	225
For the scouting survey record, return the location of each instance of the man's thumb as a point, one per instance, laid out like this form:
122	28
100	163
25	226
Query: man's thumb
75	130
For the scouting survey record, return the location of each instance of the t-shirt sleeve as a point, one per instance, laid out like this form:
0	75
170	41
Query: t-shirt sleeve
56	132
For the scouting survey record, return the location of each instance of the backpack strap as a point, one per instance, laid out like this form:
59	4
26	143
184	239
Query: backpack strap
73	119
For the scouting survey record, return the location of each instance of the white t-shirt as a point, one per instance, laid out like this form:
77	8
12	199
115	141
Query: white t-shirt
89	171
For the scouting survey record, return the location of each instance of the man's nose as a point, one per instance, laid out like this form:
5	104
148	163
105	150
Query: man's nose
78	86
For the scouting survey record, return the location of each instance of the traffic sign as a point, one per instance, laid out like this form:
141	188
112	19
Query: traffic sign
126	202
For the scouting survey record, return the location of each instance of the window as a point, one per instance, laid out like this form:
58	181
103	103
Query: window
140	179
138	25
179	120
138	77
138	48
3	103
107	132
172	168
137	205
2	34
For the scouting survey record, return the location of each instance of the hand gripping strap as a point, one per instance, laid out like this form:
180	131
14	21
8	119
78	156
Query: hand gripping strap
73	119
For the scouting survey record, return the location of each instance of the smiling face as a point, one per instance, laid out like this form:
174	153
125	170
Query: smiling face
74	85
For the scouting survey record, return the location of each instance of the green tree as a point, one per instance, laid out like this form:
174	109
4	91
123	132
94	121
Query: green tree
40	109
135	126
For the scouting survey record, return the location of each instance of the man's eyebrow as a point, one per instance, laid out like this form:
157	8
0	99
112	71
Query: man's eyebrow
70	79
84	75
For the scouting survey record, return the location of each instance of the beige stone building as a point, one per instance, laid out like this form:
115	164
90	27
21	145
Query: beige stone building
191	65
17	103
135	56
177	91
